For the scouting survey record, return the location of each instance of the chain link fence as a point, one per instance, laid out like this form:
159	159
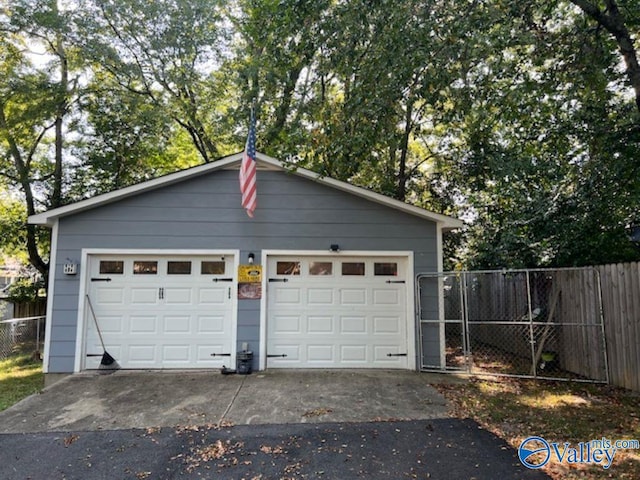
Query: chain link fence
526	323
21	335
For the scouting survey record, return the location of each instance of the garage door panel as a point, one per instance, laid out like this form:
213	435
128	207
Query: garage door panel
176	353
174	318
177	296
110	324
319	324
290	324
212	296
144	353
288	296
386	325
353	317
381	354
322	353
320	296
291	352
386	297
353	324
352	296
211	324
177	324
109	296
144	296
203	353
353	354
143	324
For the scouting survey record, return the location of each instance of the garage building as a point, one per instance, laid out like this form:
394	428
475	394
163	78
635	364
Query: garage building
158	263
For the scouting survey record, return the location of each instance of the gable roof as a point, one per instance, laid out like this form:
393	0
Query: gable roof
49	217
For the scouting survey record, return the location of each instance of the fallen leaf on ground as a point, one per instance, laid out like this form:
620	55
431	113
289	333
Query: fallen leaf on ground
317	412
70	439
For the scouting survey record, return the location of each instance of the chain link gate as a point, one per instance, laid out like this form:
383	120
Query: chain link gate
541	323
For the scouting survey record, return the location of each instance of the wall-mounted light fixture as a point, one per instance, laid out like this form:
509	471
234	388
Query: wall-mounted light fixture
250	258
334	247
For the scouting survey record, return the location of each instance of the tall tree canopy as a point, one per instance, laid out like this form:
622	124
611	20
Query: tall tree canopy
523	117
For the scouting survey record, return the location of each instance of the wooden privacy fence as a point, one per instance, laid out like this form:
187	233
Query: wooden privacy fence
621	309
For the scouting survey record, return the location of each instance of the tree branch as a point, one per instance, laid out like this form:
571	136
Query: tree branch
613	21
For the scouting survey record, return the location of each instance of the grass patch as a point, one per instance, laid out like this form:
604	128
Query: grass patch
515	409
20	376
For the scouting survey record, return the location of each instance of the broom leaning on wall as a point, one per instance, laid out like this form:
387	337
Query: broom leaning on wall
107	362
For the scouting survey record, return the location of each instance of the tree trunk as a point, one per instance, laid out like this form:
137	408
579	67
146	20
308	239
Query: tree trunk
25	183
401	188
61	110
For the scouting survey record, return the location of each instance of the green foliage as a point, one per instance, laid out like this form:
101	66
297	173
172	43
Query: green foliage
162	51
12	219
517	116
24	290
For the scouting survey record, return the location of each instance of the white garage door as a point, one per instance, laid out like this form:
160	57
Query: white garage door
337	312
161	311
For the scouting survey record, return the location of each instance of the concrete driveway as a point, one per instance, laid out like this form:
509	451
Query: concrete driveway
278	424
128	399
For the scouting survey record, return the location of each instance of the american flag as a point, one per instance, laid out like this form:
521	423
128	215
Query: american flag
248	171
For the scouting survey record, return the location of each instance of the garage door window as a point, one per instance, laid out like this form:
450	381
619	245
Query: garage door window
385	269
320	268
353	268
114	267
145	267
288	268
212	268
179	268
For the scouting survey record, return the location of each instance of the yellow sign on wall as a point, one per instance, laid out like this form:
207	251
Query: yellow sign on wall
250	274
249	282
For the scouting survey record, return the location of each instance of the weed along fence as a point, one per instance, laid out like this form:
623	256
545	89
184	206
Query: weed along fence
526	323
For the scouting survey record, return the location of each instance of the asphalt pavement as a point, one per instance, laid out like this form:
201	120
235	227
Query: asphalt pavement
421	449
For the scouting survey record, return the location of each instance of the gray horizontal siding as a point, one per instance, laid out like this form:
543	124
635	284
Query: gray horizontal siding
205	228
204	213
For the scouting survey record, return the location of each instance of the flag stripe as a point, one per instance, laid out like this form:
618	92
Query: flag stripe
248	186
